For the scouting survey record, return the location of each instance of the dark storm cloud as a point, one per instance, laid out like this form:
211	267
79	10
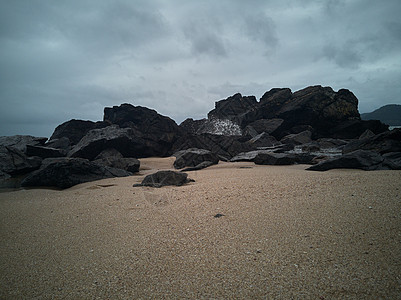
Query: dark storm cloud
69	59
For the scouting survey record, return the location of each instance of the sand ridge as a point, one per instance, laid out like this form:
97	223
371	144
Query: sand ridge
286	233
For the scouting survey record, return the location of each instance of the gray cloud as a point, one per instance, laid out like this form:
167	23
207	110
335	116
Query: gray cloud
69	59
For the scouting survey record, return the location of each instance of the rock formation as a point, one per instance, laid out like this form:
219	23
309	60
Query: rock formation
193	157
67	172
315	125
163	178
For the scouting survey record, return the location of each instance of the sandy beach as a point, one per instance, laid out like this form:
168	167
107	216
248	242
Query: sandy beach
285	233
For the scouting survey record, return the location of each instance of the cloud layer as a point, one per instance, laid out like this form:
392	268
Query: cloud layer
69	59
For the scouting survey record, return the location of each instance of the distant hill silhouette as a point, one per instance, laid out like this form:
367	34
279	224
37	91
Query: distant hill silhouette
388	114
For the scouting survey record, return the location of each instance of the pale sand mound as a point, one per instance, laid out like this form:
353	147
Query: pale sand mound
286	233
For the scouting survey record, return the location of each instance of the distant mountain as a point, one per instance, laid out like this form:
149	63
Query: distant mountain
388	114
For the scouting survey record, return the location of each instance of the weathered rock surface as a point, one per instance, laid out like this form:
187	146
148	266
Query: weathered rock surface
191	126
263	158
20	142
164	178
263	125
386	142
157	130
242	110
44	152
248	156
15	162
128	164
193	157
303	137
225	147
109	153
74	130
67	172
127	141
263	140
360	159
326	112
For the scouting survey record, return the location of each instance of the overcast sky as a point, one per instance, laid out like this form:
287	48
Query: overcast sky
61	60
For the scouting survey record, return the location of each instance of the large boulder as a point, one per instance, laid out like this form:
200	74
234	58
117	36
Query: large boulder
303	137
156	128
317	106
67	172
44	152
15	162
20	142
248	156
128	141
353	129
225	147
360	159
265	158
263	140
74	131
164	178
263	125
386	142
242	110
128	164
191	126
193	157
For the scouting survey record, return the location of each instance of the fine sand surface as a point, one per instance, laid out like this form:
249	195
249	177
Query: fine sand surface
286	233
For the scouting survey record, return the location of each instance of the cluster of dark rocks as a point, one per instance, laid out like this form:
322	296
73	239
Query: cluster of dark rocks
316	126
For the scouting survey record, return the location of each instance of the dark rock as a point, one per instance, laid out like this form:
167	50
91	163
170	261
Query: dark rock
109	153
200	166
366	134
263	125
274	159
44	152
193	157
225	147
127	141
248	156
331	114
163	178
4	176
263	140
269	158
67	172
272	100
242	110
61	143
191	126
74	130
20	142
360	159
386	142
311	147
128	164
218	215
329	143
159	132
393	159
303	137
14	161
353	129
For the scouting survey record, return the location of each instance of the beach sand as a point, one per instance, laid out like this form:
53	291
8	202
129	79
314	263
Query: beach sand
286	233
